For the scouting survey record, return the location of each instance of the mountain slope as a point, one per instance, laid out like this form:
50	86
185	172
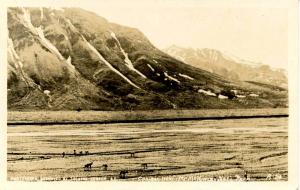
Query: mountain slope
74	59
229	66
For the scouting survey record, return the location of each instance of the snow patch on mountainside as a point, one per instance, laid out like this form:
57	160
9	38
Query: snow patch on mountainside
234	91
13	54
150	67
69	62
57	9
240	96
96	73
171	78
174	106
107	63
179	58
27	21
71	25
231	57
47	93
208	92
43	40
66	37
203	54
185	76
101	57
253	95
17	61
222	96
127	60
48	44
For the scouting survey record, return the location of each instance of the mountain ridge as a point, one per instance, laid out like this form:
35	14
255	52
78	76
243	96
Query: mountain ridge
72	59
228	65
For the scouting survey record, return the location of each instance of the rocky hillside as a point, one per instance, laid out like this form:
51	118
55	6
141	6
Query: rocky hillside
229	66
72	59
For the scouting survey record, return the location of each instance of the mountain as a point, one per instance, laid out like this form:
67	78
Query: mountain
229	66
72	59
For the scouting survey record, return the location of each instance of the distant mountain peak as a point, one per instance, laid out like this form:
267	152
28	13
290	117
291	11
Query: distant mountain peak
228	65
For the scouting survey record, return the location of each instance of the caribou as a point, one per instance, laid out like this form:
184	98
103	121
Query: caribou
132	155
144	165
88	166
105	166
123	174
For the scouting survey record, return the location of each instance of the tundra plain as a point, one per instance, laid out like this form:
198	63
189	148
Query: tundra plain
253	149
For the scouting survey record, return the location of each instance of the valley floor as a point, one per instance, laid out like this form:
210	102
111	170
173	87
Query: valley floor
253	149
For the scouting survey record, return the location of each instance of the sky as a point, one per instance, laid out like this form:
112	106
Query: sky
254	33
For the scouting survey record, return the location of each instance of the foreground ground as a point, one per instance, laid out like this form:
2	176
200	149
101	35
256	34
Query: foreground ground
189	150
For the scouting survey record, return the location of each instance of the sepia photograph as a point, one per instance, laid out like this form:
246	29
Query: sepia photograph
148	91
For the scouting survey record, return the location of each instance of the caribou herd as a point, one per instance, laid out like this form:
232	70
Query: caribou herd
123	174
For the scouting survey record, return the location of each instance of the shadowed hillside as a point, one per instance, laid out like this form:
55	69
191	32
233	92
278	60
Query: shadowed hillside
72	59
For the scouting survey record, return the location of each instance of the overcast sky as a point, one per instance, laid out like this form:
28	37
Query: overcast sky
253	33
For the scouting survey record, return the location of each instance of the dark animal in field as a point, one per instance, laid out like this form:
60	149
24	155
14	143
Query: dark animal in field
246	176
132	155
63	154
86	152
43	157
80	153
144	165
78	109
105	166
88	166
75	152
123	174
